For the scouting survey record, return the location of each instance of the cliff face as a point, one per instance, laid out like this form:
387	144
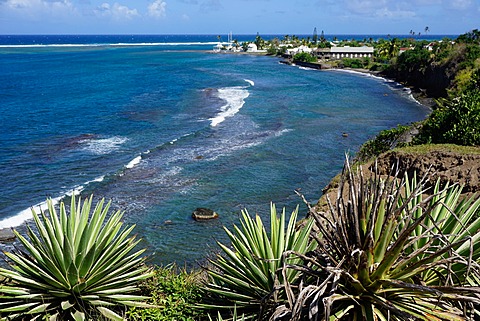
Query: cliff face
446	166
438	162
434	70
433	79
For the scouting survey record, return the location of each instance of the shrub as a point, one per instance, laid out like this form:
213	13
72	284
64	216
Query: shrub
304	57
383	142
352	63
456	121
75	267
173	293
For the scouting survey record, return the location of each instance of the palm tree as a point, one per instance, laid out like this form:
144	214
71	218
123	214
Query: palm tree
388	49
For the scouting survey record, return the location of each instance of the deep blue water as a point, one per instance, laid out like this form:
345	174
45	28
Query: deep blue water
163	129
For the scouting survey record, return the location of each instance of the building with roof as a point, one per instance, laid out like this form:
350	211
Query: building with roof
344	52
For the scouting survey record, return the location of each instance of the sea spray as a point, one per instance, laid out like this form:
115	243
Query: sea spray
234	98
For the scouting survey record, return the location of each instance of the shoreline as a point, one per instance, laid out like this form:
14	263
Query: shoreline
417	94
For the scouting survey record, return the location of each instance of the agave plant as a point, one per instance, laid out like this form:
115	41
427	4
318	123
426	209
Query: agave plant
249	276
387	251
235	316
74	267
452	220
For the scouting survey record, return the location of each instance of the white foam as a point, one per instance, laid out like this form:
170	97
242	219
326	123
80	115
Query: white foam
121	44
104	145
283	131
234	98
250	82
134	162
307	68
365	74
26	214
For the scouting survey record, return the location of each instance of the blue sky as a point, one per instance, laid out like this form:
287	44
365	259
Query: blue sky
238	16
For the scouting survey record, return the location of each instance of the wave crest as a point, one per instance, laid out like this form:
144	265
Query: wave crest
234	98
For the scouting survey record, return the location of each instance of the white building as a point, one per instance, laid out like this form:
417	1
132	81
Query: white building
294	51
252	47
344	52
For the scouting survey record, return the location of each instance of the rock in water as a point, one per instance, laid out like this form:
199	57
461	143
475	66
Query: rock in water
203	214
6	235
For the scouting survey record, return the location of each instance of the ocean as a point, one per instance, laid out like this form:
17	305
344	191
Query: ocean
160	125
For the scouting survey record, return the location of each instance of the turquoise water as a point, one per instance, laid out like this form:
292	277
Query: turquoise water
161	130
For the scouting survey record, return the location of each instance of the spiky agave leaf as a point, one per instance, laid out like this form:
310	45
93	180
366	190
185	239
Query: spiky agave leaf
452	221
74	264
388	252
248	275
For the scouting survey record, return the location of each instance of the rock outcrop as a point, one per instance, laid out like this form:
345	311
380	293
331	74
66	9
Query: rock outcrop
203	214
438	162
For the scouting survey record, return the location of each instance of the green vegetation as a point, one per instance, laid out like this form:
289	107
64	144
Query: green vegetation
384	141
249	276
75	267
386	50
454	71
304	57
386	252
455	121
428	148
384	249
355	62
172	292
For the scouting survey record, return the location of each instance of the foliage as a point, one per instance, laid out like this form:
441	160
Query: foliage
387	50
324	44
304	57
470	37
456	121
259	41
172	292
352	63
75	267
387	252
235	317
416	59
249	275
384	141
271	51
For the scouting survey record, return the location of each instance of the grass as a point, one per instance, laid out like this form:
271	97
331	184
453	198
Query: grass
429	148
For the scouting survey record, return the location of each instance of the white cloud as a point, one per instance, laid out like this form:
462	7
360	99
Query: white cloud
396	13
39	4
461	4
385	8
157	9
19	4
365	6
116	11
36	9
211	5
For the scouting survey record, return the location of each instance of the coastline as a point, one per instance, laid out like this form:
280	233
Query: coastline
418	95
130	163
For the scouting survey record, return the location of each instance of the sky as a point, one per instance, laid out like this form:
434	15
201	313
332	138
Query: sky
292	17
